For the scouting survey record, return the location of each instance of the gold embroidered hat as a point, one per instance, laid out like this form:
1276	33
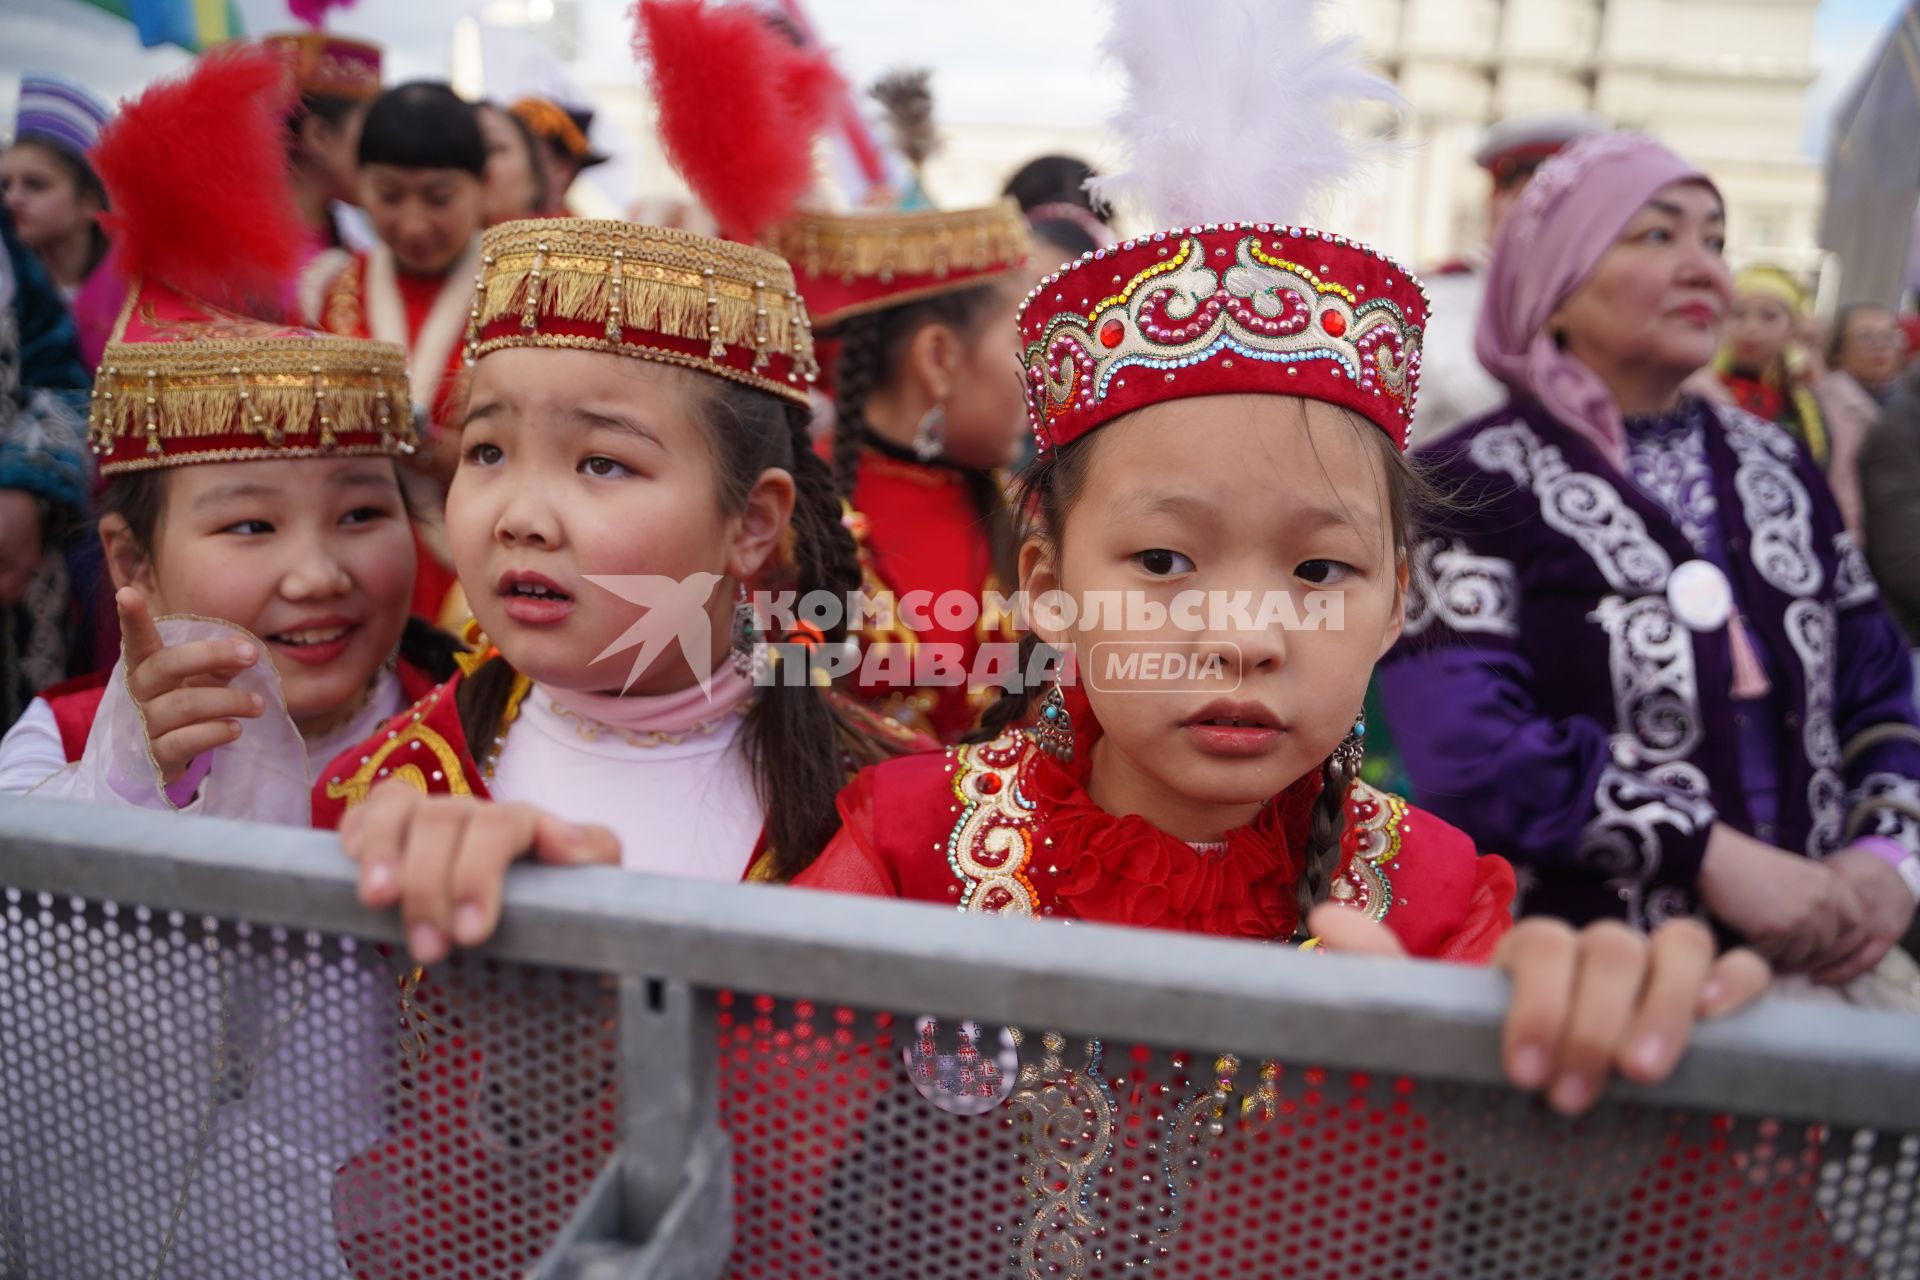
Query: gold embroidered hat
849	264
191	373
652	293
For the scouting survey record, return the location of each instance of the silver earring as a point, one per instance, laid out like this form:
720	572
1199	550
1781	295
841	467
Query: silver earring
1352	751
930	437
745	632
1053	731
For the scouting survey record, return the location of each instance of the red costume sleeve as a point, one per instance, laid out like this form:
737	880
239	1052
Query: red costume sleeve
852	861
1489	914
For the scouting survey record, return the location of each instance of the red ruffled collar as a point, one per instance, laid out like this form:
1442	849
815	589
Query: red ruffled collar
1125	870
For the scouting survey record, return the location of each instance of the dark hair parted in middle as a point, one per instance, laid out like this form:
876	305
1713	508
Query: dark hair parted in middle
423	125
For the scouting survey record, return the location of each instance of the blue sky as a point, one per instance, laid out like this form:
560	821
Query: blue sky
1845	34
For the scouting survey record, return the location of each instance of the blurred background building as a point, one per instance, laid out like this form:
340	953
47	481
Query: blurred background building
1725	82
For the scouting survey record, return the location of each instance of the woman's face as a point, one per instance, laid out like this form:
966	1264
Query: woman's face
1268	514
1757	330
986	411
313	555
1870	346
513	188
579	464
42	197
427	217
1652	308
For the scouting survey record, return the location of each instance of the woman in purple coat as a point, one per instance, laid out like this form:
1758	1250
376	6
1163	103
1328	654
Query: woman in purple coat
1644	659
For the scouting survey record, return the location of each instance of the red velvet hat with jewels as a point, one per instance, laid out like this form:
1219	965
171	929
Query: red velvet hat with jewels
1232	308
193	372
1234	299
329	66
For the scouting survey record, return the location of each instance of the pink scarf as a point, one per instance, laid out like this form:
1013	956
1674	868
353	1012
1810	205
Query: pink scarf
668	712
1566	220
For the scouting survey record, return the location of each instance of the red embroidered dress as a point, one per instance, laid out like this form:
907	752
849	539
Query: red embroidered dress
920	541
1002	828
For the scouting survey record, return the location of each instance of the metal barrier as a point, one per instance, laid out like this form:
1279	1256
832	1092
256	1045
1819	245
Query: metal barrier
214	1063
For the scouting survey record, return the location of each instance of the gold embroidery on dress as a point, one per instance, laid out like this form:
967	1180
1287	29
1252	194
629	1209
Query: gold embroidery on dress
1376	827
407	745
992	843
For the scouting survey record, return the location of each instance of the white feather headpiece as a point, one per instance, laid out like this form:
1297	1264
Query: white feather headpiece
1234	108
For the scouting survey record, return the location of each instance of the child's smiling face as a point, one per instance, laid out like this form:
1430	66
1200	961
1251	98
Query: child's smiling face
1249	498
312	555
579	463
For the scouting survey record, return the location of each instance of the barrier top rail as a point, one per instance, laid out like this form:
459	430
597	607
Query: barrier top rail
1786	1059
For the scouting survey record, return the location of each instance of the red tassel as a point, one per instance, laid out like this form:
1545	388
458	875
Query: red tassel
1749	677
740	106
195	171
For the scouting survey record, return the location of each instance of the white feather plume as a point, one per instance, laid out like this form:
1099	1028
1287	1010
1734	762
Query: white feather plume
1234	108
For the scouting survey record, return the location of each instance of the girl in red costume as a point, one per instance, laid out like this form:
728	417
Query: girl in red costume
1220	412
916	305
633	454
251	490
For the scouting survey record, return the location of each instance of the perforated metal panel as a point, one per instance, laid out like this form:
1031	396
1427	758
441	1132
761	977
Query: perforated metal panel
876	1146
187	1097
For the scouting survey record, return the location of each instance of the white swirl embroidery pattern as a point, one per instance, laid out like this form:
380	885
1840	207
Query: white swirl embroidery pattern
1584	507
1625	840
1853	583
1464	591
1655	693
1778	511
1811	630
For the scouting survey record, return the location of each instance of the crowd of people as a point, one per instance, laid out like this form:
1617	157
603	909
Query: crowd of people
326	480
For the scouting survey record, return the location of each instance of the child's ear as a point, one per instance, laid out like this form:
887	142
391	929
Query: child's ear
762	523
934	356
127	561
1397	620
1039	575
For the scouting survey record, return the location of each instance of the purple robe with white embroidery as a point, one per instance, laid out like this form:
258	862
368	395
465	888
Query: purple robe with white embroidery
1550	699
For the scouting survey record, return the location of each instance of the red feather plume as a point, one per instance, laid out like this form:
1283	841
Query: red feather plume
195	171
740	106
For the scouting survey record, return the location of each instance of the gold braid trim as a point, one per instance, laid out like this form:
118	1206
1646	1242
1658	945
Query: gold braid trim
299	395
620	276
927	242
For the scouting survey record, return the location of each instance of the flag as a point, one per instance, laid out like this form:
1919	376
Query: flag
1873	170
194	25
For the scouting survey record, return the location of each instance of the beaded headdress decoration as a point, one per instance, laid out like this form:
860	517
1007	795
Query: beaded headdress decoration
648	292
850	264
1227	306
191	373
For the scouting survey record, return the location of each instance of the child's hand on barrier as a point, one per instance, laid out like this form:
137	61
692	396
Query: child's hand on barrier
444	859
183	690
1591	1001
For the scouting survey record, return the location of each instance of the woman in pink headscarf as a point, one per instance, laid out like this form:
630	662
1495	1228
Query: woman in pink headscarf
1643	658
